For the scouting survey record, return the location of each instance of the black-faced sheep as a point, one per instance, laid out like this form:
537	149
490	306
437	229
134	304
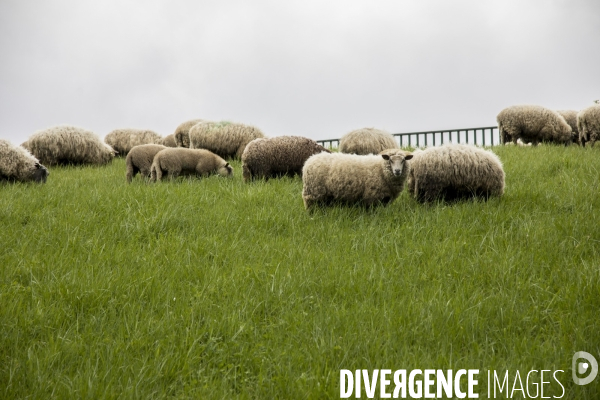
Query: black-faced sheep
354	179
69	145
570	117
182	133
123	140
367	141
18	165
455	171
588	121
169	141
140	158
189	162
226	139
277	156
533	124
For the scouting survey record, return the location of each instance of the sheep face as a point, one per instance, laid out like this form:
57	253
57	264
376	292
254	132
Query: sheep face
226	171
40	173
396	162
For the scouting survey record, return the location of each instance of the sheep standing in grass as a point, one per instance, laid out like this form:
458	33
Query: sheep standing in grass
140	158
533	124
281	155
226	139
67	144
182	133
455	171
123	140
354	179
169	141
588	122
189	162
18	165
367	141
570	117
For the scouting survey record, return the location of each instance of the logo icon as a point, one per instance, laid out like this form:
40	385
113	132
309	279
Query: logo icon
580	368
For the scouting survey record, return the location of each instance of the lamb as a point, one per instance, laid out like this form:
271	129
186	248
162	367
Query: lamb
588	123
225	139
367	141
367	180
169	141
455	171
18	165
533	124
67	144
281	155
140	158
189	161
570	117
123	140
182	133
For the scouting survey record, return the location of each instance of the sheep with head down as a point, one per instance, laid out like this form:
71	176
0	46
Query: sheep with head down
278	156
351	179
533	124
570	117
140	158
123	140
182	133
225	139
176	161
67	144
18	165
367	141
588	122
453	172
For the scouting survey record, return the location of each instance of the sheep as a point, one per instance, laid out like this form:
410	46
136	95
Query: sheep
588	123
281	155
18	165
226	139
533	124
570	117
123	140
455	171
140	158
182	133
169	141
67	144
367	141
367	180
200	162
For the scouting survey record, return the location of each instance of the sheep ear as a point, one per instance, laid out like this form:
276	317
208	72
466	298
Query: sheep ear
408	157
385	156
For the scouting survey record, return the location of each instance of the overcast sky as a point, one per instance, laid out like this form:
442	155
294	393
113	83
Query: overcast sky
314	68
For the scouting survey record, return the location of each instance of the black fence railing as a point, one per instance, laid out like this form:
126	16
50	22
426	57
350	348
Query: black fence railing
486	136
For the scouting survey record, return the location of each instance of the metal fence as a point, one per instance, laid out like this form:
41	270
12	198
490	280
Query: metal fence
486	136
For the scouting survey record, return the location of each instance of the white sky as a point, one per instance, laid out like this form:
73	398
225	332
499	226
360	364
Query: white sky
312	68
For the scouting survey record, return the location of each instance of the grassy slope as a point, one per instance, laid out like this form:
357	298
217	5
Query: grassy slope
216	288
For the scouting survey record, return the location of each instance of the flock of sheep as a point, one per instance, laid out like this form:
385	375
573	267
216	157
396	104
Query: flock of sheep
369	169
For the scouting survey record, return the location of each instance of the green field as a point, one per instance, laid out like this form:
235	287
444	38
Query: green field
219	289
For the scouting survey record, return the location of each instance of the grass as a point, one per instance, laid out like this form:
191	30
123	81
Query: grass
218	289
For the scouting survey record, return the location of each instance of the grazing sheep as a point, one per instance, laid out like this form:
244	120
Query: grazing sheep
455	171
533	124
226	139
182	133
169	141
367	141
18	165
189	161
588	122
281	155
69	145
123	140
140	158
354	179
570	117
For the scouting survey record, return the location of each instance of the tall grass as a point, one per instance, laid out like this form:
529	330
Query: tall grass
217	289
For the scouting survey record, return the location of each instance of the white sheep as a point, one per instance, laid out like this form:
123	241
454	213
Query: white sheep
226	139
533	124
366	180
182	133
588	122
199	162
123	140
455	171
140	158
18	165
367	141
